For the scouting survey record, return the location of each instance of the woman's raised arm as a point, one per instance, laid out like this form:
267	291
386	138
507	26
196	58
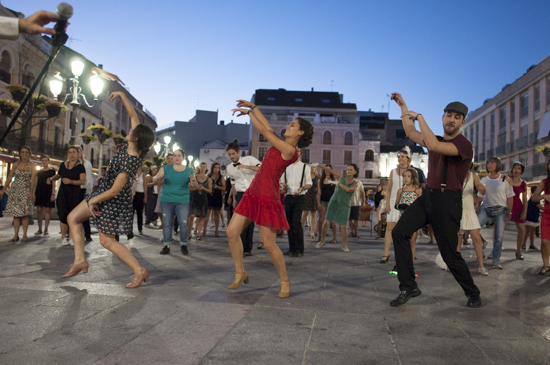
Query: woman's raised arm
129	107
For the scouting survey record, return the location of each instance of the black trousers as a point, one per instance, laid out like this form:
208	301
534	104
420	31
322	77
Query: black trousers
247	234
444	211
294	206
138	207
86	223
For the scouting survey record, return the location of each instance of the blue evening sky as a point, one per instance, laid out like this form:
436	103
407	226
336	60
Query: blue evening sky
179	56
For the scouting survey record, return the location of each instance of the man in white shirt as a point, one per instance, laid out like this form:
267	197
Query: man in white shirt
242	170
295	182
10	28
86	190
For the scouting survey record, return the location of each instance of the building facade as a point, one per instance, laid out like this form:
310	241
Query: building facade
214	151
513	123
21	60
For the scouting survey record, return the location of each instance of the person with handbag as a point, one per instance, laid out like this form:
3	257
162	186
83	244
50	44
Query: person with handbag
497	205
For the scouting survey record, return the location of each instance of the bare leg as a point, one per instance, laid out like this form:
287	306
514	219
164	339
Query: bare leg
388	239
48	216
64	229
356	227
39	214
190	222
16	224
478	246
313	229
431	231
75	219
545	252
216	217
25	221
236	227
344	234
274	251
206	219
413	243
120	251
459	247
200	224
304	217
334	230
221	215
321	225
519	240
324	231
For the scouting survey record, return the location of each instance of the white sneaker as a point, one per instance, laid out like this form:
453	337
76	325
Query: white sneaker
131	243
497	266
65	242
319	245
483	271
345	249
71	243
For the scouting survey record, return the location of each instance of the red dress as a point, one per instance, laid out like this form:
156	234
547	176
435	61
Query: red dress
261	202
517	207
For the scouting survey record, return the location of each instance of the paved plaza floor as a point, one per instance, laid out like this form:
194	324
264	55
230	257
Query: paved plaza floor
338	311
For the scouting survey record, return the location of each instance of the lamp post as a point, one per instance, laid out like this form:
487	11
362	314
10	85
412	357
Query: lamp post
96	86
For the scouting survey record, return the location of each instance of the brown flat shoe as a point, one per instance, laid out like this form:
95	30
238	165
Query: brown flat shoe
286	292
138	279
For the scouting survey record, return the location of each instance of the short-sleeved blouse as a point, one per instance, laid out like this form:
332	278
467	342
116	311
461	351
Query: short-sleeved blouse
117	212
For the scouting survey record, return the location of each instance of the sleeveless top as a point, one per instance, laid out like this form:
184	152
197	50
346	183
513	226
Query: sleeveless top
469	219
326	191
139	186
378	198
176	185
407	197
397	183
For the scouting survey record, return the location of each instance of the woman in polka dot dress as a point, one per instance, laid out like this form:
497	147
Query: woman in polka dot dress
111	207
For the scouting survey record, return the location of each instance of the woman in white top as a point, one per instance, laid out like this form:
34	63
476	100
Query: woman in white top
469	221
140	199
497	204
395	183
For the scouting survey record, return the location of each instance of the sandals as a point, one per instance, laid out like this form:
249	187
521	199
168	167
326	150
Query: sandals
46	233
14	239
260	246
24	239
544	270
38	233
333	240
533	247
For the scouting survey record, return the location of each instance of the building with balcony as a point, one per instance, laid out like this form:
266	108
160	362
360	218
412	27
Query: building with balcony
21	60
514	122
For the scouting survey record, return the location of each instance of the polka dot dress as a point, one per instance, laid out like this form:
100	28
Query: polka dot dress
117	213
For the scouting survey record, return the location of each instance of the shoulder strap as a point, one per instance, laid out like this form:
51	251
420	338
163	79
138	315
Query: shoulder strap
303	173
503	177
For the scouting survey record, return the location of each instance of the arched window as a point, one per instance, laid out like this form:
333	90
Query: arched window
5	67
327	137
348	138
369	155
28	76
283	133
262	138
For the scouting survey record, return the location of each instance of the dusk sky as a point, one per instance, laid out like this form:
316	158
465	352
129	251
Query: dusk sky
179	56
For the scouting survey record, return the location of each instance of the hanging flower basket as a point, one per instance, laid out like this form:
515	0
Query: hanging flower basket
86	138
18	92
118	140
545	149
7	107
53	111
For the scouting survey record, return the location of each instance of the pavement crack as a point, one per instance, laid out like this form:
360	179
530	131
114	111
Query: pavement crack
309	339
392	341
473	341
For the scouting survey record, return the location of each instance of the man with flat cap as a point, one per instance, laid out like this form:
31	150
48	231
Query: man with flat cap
449	159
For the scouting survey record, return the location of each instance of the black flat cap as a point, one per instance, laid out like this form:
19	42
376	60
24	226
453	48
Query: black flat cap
458	107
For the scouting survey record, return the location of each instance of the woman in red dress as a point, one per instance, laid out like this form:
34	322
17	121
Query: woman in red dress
260	203
543	193
519	208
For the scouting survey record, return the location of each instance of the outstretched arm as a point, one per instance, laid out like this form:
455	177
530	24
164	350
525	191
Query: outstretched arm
129	107
408	123
257	118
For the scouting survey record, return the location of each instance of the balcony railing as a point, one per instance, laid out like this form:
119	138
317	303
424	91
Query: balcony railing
535	170
524	111
509	146
490	153
501	150
5	76
532	138
522	142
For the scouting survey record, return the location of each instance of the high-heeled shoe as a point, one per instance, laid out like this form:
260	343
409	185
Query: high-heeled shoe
138	279
237	283
385	261
75	269
286	293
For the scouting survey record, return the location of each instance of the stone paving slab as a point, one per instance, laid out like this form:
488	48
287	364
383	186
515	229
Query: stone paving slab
338	311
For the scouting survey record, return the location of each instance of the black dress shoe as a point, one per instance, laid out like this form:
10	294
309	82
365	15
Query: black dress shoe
165	250
474	301
296	254
184	249
247	254
404	296
288	253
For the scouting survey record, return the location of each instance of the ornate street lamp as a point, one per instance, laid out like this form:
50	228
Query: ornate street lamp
77	66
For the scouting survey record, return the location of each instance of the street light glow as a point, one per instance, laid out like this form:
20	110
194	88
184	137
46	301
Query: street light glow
77	67
156	147
96	84
190	158
167	139
56	85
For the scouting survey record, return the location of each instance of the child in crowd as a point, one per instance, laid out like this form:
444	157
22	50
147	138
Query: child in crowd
407	195
382	225
532	220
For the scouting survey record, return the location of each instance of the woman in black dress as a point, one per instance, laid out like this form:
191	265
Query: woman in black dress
199	201
111	205
44	195
311	203
228	203
152	196
215	200
72	174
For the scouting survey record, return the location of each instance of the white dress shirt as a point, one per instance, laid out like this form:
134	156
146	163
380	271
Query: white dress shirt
295	179
9	27
356	198
242	178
